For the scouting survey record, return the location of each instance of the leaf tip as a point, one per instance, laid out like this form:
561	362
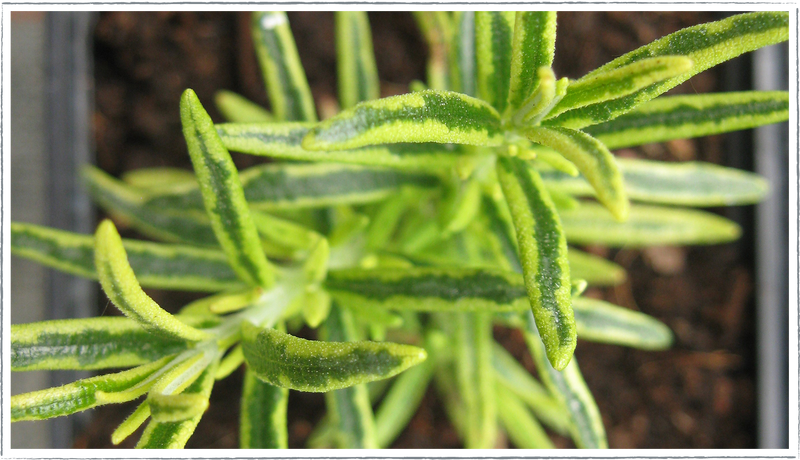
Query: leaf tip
560	357
559	363
422	355
189	101
621	209
106	227
668	339
414	356
310	141
189	96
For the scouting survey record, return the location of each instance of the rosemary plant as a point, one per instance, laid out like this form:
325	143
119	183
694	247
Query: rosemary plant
416	221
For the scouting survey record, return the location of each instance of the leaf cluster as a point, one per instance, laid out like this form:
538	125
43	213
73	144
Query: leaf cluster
403	229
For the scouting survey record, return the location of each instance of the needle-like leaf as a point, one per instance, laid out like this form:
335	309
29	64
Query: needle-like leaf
281	69
355	60
543	255
426	116
682	184
594	161
263	422
237	109
706	45
83	394
283	140
88	343
119	283
646	226
494	35
570	389
349	408
165	266
223	195
307	365
679	117
533	47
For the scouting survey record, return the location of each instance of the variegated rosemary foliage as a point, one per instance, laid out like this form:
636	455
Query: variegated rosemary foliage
416	221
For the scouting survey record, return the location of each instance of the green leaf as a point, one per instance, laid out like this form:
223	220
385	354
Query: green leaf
597	271
349	408
307	365
427	116
680	117
385	220
556	161
462	57
462	209
223	195
533	47
288	186
402	401
283	140
516	379
281	68
706	45
494	36
570	389
158	179
416	86
682	184
177	407
429	289
522	428
156	265
547	93
263	422
83	394
237	109
444	380
593	160
346	225
502	227
474	378
355	59
173	435
622	81
119	283
131	423
315	268
543	98
436	27
600	321
68	252
418	233
367	315
130	205
316	307
543	254
184	371
229	363
646	226
563	200
226	302
578	287
89	343
285	232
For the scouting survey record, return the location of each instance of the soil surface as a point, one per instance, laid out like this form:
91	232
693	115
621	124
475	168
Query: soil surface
699	394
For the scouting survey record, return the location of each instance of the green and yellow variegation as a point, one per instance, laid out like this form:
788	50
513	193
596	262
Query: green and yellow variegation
425	221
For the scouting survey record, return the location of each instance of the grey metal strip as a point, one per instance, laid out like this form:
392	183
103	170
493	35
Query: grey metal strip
771	72
70	105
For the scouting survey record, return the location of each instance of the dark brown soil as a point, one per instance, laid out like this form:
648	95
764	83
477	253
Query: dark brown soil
700	394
